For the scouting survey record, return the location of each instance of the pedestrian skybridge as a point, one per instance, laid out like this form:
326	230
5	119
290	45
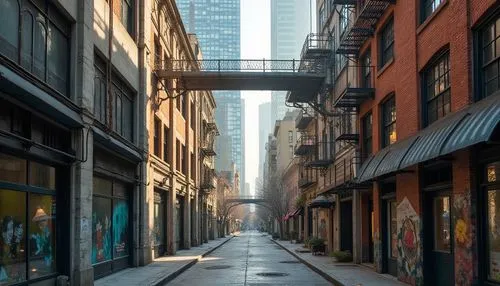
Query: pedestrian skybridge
245	200
302	78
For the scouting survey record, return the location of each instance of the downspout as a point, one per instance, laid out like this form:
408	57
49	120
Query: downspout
142	115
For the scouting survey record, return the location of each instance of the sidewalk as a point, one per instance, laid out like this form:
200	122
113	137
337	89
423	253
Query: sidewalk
345	274
163	269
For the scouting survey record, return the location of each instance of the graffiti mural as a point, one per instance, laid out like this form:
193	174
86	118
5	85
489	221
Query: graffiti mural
120	228
464	232
410	268
101	230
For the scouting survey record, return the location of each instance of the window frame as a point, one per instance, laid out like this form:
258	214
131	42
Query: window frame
157	128
367	136
424	13
386	126
383	59
479	65
429	80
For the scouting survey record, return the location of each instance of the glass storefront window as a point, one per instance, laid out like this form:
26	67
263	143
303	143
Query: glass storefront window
101	230
42	217
12	169
442	224
393	231
120	228
12	240
494	234
42	176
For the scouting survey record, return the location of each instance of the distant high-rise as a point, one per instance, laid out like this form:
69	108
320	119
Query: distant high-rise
217	25
290	24
264	130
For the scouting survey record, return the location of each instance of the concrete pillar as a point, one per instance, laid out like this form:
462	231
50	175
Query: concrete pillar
356	226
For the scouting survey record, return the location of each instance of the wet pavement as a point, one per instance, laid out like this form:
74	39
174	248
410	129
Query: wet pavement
249	259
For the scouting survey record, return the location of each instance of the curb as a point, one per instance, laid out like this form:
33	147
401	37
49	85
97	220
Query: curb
179	271
311	266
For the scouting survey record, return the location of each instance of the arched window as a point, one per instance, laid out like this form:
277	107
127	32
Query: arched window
27	40
39	49
9	36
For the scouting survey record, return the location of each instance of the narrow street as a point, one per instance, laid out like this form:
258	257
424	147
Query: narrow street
249	259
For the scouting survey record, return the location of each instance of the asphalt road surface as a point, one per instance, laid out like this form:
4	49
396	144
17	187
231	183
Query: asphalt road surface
249	259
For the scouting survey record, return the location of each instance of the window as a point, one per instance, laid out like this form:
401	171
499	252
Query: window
183	160
437	89
127	15
489	41
184	106
41	45
100	90
178	149
122	109
366	62
193	166
442	227
344	19
386	43
322	17
428	7
367	125
492	193
389	135
290	136
192	120
165	144
28	220
157	137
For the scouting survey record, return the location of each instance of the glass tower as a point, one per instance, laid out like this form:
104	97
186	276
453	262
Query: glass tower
216	23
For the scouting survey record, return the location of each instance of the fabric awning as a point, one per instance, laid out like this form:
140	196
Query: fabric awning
467	127
321	202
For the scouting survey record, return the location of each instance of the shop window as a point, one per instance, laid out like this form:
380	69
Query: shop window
110	221
493	221
389	135
386	43
367	125
436	91
12	169
41	45
442	226
489	57
428	7
42	176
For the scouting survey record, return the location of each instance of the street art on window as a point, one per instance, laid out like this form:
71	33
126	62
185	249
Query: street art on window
12	241
120	228
494	234
410	268
42	235
464	231
101	230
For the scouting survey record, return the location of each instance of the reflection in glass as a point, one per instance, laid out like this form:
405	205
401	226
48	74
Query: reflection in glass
442	224
101	229
42	211
42	176
12	169
494	234
12	240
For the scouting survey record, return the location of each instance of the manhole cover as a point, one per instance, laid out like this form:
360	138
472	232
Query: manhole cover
290	262
217	267
272	274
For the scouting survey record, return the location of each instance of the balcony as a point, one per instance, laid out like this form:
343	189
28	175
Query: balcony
304	118
208	180
307	176
323	157
313	60
362	28
347	128
305	144
354	85
345	170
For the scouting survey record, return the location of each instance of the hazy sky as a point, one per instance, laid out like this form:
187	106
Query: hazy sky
255	44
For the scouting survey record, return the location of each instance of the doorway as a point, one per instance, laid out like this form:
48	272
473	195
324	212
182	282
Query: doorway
389	228
346	226
159	223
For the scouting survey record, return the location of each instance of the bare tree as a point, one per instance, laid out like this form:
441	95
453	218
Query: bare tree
224	208
278	199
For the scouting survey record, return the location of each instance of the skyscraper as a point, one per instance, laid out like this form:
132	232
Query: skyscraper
290	24
217	25
264	130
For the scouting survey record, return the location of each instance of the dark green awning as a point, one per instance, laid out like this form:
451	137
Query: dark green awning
469	126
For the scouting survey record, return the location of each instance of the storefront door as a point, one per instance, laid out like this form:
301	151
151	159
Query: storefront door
490	211
159	223
346	226
390	237
438	237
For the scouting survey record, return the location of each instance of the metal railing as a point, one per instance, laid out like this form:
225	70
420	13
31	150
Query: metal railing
304	144
354	79
347	127
345	170
240	65
307	176
315	41
305	116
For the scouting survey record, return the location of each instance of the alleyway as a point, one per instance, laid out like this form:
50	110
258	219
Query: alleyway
249	259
